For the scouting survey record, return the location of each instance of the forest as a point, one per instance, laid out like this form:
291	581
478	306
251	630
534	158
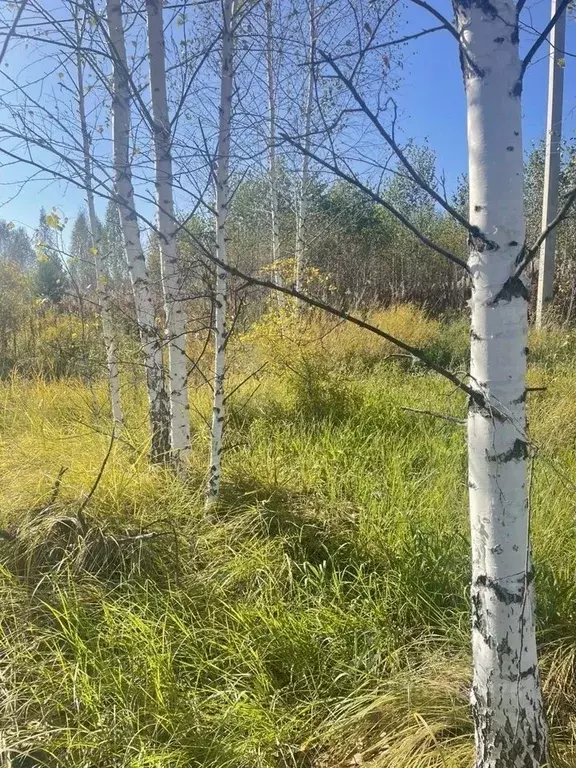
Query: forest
287	457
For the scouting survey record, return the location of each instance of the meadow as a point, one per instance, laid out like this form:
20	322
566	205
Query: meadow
318	616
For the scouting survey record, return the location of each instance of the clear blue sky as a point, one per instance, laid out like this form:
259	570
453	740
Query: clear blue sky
431	95
430	100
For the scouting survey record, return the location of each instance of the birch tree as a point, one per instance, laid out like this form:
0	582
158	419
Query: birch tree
174	304
506	693
102	281
148	328
506	696
272	163
221	287
302	201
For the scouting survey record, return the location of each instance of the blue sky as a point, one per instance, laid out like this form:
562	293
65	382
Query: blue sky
431	95
430	101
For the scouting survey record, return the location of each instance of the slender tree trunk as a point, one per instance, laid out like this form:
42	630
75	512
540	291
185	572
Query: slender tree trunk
143	300
175	307
506	694
272	165
302	203
221	290
102	280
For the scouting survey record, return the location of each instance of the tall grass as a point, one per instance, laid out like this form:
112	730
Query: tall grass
318	617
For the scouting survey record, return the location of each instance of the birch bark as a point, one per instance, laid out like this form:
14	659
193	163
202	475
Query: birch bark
302	203
174	304
148	328
272	165
506	694
221	288
102	281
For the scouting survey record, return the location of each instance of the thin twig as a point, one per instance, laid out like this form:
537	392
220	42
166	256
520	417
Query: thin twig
529	255
96	482
541	38
56	488
245	381
418	178
380	200
12	29
437	15
436	415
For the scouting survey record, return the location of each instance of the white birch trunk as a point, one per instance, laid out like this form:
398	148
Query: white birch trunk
102	282
272	165
506	695
174	304
221	288
302	203
143	299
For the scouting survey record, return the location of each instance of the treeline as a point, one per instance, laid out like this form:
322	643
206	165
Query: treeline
358	257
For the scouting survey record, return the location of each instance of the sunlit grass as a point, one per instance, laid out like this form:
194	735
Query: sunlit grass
317	617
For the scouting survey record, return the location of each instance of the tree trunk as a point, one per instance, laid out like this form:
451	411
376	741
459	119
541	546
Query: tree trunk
506	695
221	289
302	203
102	281
145	315
273	169
175	307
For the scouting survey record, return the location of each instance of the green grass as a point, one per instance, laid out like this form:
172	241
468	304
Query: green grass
317	618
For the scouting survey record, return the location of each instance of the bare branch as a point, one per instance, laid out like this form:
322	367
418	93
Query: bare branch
378	199
474	231
529	255
542	37
445	417
437	15
12	29
96	482
476	396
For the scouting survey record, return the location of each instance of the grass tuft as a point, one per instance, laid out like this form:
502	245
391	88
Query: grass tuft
317	618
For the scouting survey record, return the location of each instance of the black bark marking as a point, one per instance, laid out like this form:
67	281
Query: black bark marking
480	406
480	243
513	288
521	399
504	595
510	148
517	452
483	5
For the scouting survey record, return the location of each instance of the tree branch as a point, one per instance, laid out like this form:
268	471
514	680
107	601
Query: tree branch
541	38
437	15
96	482
12	29
475	395
390	43
530	254
377	199
474	231
445	417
